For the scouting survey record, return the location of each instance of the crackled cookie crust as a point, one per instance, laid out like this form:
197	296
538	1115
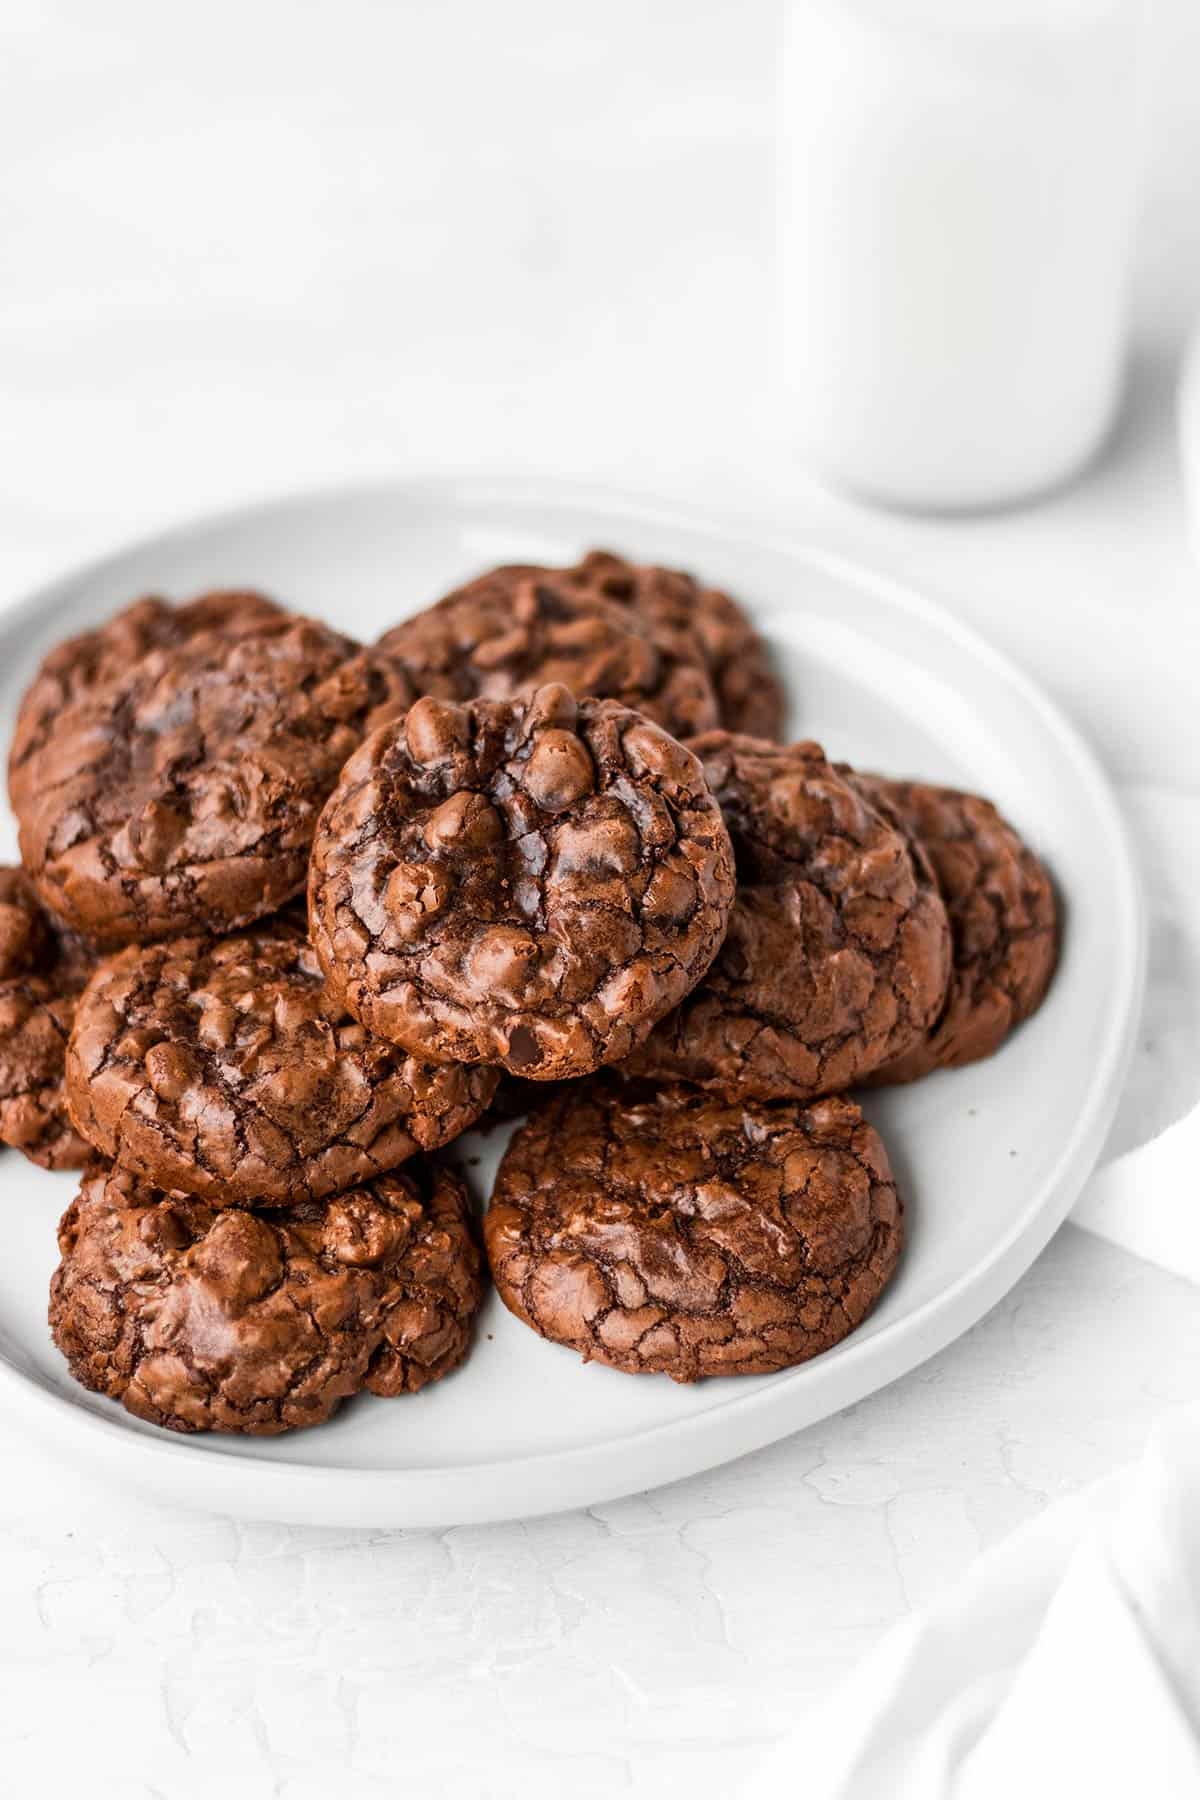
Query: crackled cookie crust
515	629
41	974
1003	922
750	696
838	950
674	1232
224	1068
525	883
180	793
205	1319
82	665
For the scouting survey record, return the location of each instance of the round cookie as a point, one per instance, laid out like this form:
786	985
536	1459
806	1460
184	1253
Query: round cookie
517	628
838	950
526	883
223	1068
181	794
1003	921
676	1232
83	664
40	975
750	696
200	1318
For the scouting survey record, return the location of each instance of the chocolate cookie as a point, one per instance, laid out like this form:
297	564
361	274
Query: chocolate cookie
838	951
525	883
214	1319
41	973
676	1232
223	1068
1003	921
515	629
750	696
25	937
82	665
181	793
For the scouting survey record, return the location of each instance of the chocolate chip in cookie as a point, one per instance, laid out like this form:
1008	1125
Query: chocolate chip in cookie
201	1318
1003	921
223	1068
676	1232
838	951
529	883
180	793
41	973
518	628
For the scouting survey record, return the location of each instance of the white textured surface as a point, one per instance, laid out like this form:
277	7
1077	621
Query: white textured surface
251	247
649	1647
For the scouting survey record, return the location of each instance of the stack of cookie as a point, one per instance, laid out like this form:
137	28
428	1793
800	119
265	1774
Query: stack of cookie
548	834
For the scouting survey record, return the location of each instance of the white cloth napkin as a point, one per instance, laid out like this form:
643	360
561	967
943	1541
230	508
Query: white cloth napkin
1067	1662
1144	1195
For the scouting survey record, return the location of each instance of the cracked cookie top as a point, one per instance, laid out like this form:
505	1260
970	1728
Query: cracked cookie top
205	1319
750	696
41	973
672	1231
224	1068
1003	921
517	628
524	883
83	664
180	793
838	951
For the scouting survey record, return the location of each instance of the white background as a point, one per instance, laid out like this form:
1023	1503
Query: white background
248	247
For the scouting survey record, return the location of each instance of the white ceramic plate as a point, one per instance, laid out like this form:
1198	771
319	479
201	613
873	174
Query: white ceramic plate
989	1158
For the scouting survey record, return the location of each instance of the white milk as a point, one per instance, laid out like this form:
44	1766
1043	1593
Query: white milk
956	209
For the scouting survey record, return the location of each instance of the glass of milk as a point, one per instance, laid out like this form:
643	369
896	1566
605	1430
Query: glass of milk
957	199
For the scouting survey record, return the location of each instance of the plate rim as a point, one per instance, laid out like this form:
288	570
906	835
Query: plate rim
555	1480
